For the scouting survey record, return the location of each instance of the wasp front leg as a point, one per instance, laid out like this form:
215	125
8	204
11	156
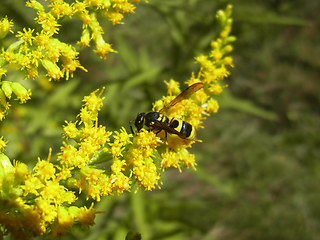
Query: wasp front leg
131	128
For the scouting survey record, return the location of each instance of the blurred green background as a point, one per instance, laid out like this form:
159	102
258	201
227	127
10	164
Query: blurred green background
258	174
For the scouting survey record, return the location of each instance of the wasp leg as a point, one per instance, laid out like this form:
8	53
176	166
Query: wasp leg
158	131
131	128
171	121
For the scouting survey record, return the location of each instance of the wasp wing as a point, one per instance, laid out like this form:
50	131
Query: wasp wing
186	93
160	127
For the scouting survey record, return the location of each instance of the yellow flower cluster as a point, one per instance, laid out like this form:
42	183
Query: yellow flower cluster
196	108
33	202
41	50
96	162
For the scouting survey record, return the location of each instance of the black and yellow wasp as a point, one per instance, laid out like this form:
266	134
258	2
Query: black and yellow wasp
156	121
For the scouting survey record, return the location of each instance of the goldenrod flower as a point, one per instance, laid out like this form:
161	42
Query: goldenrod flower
52	68
22	94
59	59
86	216
6	87
103	48
48	22
26	36
44	170
41	201
60	8
5	27
85	38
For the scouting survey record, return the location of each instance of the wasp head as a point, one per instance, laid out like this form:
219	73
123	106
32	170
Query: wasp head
140	121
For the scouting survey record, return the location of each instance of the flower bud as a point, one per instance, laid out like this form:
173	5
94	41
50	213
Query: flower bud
22	94
3	100
5	165
35	5
85	38
221	16
6	88
53	70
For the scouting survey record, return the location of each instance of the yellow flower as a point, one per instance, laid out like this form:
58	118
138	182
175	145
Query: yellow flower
64	223
22	94
212	106
32	72
118	166
85	38
42	40
38	202
121	139
68	156
2	72
65	219
60	8
26	35
48	22
44	170
96	181
113	16
87	117
146	173
86	216
170	159
5	26
102	48
56	193
94	102
120	182
71	130
173	87
6	168
21	171
139	156
3	143
31	186
6	87
53	70
123	6
3	100
35	5
187	158
47	211
32	222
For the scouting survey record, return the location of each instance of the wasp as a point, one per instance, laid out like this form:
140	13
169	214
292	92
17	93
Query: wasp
156	121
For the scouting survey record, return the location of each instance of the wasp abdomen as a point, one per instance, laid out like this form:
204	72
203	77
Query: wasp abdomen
185	128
